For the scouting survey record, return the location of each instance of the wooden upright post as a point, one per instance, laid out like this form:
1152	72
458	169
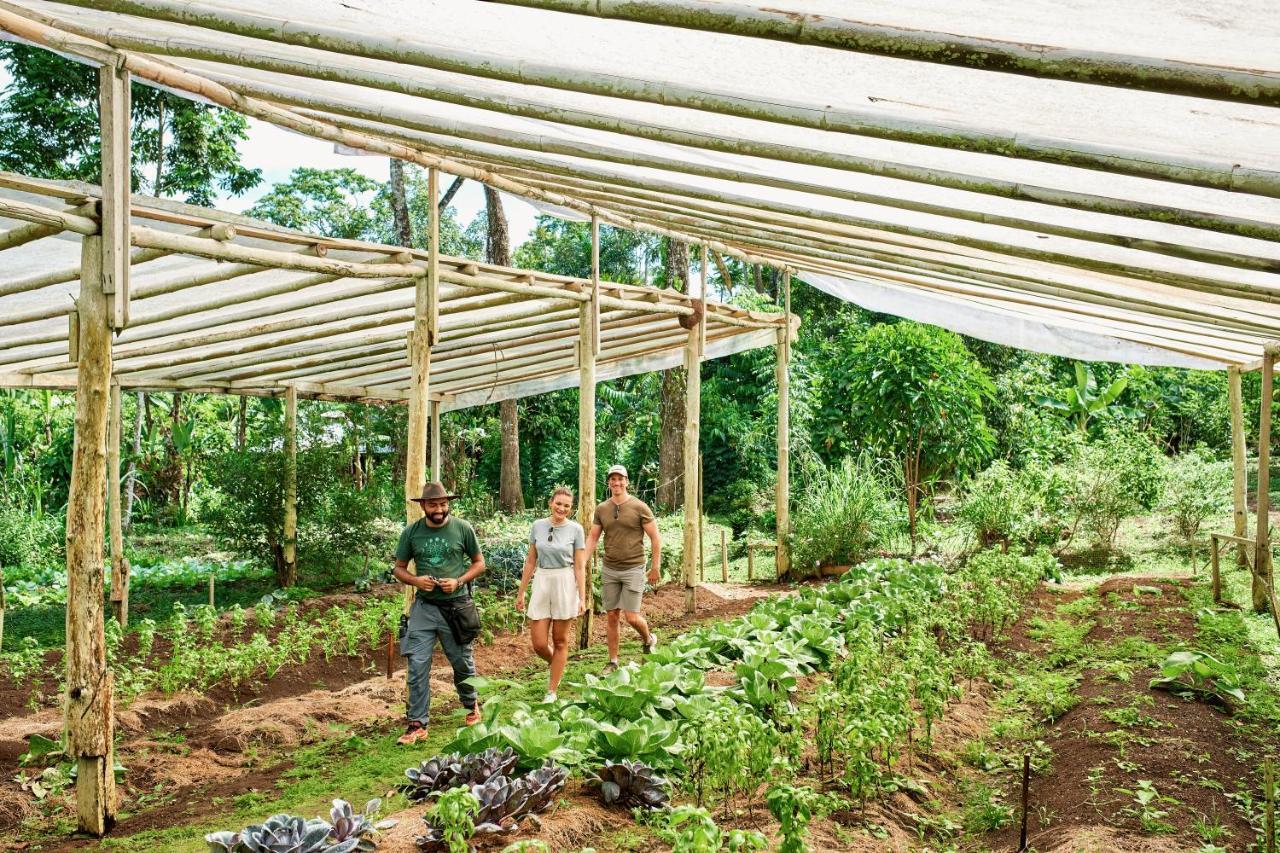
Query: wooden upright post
113	111
435	441
1240	512
588	349
420	341
290	535
87	703
782	494
1262	551
692	419
115	533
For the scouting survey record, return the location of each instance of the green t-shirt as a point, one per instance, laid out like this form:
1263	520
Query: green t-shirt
441	552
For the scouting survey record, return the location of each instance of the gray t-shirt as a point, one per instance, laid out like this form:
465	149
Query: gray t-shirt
556	545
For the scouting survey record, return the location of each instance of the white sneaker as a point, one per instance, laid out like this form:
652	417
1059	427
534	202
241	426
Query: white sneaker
549	698
652	644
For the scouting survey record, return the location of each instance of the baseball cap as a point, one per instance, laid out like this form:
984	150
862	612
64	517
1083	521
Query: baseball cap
616	469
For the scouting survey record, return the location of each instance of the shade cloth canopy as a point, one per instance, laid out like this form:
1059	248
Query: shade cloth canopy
1093	221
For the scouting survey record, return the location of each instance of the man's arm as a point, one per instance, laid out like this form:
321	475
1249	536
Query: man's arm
655	546
401	571
475	570
592	538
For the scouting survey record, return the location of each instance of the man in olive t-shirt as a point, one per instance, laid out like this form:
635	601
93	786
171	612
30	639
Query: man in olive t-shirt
446	556
625	522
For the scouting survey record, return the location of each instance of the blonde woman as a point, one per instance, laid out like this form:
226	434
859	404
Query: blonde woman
557	565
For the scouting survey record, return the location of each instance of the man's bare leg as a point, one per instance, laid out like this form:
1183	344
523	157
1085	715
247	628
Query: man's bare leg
611	633
636	620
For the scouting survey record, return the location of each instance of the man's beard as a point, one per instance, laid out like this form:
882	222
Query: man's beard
438	517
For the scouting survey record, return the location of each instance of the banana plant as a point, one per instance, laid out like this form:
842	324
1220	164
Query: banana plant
1084	400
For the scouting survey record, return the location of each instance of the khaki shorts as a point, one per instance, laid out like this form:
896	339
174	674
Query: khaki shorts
622	589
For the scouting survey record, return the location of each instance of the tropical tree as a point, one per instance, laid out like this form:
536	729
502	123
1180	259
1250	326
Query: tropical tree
331	202
1084	400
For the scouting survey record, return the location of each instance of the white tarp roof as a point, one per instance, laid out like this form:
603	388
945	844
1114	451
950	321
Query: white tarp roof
721	138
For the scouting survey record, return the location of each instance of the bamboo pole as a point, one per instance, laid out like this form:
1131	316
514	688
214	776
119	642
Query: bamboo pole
724	556
702	548
1262	550
117	175
436	460
290	486
24	234
323	107
398	49
1102	68
119	563
693	407
1215	569
263	58
782	495
588	350
1239	473
61	220
87	702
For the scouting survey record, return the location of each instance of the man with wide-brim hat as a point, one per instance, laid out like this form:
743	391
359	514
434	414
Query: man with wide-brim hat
446	557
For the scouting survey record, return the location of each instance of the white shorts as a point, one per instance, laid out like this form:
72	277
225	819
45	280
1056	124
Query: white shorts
554	596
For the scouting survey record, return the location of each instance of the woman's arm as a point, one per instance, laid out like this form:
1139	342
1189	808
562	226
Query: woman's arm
580	574
530	560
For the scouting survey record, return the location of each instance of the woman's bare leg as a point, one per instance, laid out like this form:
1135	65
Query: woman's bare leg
560	657
538	634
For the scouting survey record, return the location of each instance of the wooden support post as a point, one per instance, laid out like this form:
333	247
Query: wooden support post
1239	471
751	561
113	112
87	702
436	461
588	343
290	534
692	424
724	556
782	494
115	533
1215	546
425	312
1262	549
213	576
702	548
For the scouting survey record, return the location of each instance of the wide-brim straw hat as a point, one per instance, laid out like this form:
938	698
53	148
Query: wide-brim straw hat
434	492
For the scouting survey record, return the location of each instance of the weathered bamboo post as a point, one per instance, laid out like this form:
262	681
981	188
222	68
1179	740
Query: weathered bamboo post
783	488
751	561
115	533
588	349
1269	795
692	408
212	579
702	548
420	341
724	556
290	534
436	461
88	713
1214	546
1262	550
1239	472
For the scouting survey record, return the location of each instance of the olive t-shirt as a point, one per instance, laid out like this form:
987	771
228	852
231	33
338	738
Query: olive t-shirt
623	526
441	552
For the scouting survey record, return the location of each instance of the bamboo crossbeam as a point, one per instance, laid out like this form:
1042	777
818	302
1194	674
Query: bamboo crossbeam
399	49
57	220
265	59
1093	67
321	107
28	233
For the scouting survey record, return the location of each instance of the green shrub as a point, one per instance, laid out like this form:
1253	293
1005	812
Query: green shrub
994	504
1111	479
1196	488
843	513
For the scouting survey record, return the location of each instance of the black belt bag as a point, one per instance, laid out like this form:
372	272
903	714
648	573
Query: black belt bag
459	614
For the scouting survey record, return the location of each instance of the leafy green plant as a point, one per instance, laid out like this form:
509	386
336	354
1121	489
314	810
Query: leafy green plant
1147	807
1084	400
280	833
843	512
631	784
450	822
1200	674
793	806
448	771
1196	488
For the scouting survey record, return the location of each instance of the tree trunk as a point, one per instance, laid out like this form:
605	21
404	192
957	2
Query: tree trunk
131	475
451	192
671	408
400	205
159	150
510	493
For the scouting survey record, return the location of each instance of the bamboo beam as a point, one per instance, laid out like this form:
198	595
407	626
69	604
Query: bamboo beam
1239	475
1262	550
59	220
117	175
398	49
693	407
290	534
436	459
87	704
1100	68
115	535
588	349
263	58
782	494
325	108
25	234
